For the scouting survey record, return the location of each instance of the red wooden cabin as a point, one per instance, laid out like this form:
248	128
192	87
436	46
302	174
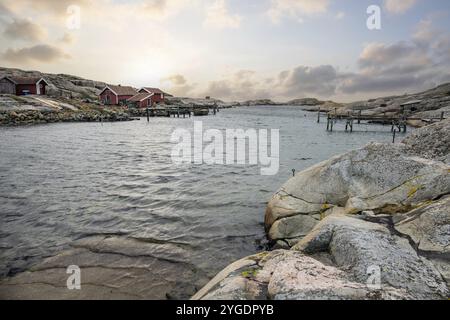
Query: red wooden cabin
141	100
158	96
115	95
23	86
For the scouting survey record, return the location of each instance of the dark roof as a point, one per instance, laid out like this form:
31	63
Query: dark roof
122	90
25	80
8	78
140	97
153	90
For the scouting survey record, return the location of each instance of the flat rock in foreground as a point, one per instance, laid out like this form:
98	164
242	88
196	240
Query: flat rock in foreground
111	268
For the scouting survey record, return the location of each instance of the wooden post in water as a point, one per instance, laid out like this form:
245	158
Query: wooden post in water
328	122
148	115
359	116
318	116
393	135
442	115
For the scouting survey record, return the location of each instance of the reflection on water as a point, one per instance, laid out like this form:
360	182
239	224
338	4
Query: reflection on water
64	182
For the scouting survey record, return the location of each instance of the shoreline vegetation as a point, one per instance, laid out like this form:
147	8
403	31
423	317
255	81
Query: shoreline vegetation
74	99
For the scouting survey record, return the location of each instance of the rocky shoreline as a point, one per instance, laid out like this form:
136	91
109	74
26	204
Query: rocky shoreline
32	117
373	223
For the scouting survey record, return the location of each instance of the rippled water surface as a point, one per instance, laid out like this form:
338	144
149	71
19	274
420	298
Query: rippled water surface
64	182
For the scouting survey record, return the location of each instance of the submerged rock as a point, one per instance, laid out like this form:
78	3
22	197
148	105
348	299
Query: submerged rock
111	267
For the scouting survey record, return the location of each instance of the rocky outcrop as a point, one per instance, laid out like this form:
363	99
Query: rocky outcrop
344	257
260	102
385	178
207	103
373	223
61	85
431	142
430	104
31	117
428	228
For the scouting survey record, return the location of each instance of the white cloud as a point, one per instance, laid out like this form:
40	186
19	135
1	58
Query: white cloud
296	8
398	6
217	16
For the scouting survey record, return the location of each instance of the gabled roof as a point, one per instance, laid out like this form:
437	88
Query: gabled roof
152	90
121	90
25	80
140	97
8	78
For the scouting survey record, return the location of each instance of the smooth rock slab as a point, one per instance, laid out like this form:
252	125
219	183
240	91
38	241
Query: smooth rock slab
379	177
357	246
290	275
428	226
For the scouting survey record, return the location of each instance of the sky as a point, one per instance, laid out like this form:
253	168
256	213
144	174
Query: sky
234	49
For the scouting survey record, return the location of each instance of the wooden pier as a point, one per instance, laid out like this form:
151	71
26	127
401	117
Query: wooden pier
181	111
397	122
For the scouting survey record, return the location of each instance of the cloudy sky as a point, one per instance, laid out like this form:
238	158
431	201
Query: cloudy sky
234	49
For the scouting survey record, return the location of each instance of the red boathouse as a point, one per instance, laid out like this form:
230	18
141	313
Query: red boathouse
141	100
158	96
115	95
23	86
